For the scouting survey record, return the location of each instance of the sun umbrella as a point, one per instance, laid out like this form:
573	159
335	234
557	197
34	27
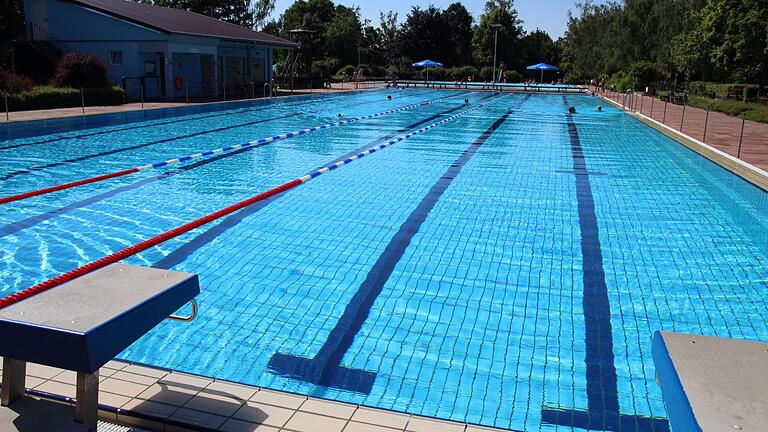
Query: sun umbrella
427	64
542	67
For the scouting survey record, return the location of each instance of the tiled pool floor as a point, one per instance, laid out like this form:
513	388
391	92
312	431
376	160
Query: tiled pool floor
161	400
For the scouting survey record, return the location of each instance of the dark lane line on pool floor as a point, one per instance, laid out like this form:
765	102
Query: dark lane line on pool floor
183	252
187	249
202	117
603	410
138	146
325	368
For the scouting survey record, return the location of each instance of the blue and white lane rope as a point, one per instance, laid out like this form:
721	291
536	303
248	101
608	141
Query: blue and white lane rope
391	142
255	143
280	137
163	237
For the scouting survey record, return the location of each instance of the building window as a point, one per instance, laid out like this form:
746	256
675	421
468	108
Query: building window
116	57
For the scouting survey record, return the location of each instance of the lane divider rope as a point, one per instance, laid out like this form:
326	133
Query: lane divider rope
160	238
255	143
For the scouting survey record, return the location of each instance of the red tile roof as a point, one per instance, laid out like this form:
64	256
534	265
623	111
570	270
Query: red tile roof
179	21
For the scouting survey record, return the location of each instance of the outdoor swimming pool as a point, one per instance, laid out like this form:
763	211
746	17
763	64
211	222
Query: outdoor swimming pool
506	268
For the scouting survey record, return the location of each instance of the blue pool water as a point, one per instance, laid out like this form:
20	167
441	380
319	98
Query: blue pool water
506	268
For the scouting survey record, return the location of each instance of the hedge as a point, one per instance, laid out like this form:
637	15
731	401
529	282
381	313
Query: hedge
46	97
751	111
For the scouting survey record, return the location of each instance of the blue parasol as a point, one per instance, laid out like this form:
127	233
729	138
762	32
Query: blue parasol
542	67
427	64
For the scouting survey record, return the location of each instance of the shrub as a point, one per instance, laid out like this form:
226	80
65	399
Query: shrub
751	111
47	97
513	76
324	66
348	70
80	70
462	72
14	83
621	81
486	73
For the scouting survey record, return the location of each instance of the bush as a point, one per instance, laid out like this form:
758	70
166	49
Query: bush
346	70
80	70
513	76
47	97
621	81
324	66
751	111
14	83
721	90
463	72
486	73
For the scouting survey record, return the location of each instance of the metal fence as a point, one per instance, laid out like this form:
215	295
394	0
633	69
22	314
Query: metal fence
737	136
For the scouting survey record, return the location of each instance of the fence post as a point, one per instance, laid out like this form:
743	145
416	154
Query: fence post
253	90
7	112
224	87
741	136
706	120
652	98
82	99
141	90
664	116
186	92
642	97
682	119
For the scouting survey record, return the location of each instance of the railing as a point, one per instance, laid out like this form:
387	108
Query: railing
744	139
39	34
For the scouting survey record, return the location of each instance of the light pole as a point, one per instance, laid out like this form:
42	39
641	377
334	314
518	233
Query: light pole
495	28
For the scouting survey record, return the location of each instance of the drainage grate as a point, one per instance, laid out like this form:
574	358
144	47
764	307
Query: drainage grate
111	427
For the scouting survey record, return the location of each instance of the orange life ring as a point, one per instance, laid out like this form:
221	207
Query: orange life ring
179	82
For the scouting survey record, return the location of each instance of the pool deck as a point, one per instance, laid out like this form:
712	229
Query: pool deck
16	116
162	400
722	130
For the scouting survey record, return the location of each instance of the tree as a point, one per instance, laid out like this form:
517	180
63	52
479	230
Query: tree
539	47
498	12
424	35
246	13
457	19
343	35
12	19
388	35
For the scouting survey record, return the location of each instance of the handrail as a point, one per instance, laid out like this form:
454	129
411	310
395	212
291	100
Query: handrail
186	318
266	84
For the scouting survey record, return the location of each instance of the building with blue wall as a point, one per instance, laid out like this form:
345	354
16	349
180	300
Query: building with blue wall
166	53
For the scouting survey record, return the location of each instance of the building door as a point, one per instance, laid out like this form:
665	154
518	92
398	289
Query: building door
206	75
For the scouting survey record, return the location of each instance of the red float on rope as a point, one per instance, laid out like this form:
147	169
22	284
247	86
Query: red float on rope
140	247
21	196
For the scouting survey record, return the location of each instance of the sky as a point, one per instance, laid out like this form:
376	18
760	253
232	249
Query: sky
548	15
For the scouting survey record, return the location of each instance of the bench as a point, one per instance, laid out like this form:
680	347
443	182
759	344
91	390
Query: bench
712	384
83	324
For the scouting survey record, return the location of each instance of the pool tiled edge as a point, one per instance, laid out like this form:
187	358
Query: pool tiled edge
747	171
163	400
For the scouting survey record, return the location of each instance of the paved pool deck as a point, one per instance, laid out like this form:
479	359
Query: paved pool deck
162	400
16	116
722	131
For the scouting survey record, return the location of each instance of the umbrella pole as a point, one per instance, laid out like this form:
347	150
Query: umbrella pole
541	81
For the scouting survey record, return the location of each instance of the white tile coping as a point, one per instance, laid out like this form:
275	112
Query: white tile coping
162	400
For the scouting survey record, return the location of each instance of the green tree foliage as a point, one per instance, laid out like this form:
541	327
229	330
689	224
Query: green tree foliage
343	35
458	21
12	19
247	13
538	47
725	40
500	12
424	35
